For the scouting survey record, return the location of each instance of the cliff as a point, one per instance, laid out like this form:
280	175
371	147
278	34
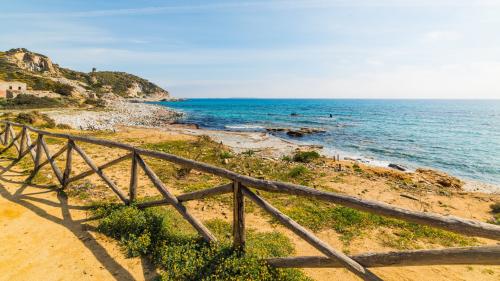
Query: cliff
40	73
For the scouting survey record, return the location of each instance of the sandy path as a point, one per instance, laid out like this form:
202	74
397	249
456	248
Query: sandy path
42	238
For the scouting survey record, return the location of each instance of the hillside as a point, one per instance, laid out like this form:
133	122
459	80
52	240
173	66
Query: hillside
41	74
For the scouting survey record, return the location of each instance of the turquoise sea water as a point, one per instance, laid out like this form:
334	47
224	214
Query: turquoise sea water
457	136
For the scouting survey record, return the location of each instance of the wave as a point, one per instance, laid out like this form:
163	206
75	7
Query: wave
245	127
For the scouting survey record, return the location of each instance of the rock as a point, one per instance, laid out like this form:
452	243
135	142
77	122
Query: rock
397	167
296	134
440	178
299	132
276	129
31	61
294	114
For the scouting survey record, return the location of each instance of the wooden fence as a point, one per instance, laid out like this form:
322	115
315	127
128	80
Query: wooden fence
240	188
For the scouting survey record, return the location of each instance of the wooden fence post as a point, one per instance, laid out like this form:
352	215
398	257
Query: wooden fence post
22	141
38	153
7	131
238	217
133	179
69	160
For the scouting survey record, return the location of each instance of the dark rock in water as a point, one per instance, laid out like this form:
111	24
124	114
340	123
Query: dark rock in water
397	167
294	114
276	129
296	134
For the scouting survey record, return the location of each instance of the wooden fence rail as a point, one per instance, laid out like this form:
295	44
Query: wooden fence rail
240	188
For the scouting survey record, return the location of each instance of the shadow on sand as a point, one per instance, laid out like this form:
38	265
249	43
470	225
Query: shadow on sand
77	227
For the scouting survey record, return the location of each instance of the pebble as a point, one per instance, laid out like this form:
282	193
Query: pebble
117	113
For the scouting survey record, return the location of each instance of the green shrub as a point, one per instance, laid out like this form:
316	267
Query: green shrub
63	126
35	118
305	156
25	118
356	168
95	102
182	255
298	171
225	155
495	208
63	89
29	101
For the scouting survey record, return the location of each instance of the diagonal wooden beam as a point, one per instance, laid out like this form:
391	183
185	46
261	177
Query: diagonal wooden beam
12	143
108	181
102	167
52	161
16	143
28	142
204	232
448	256
47	161
21	156
309	237
200	194
2	134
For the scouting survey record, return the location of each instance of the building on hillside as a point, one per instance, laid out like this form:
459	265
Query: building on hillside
11	89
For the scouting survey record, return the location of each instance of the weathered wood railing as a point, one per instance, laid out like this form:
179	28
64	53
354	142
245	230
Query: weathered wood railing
240	188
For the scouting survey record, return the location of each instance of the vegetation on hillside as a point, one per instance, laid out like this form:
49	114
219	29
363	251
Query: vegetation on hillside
31	102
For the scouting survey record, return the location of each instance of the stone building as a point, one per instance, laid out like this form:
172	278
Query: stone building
11	89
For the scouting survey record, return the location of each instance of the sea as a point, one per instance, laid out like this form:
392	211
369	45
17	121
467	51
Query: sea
461	137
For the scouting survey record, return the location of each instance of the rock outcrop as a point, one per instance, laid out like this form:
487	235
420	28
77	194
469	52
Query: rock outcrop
296	132
30	61
439	178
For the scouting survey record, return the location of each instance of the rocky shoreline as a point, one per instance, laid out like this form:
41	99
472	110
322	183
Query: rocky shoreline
132	114
116	113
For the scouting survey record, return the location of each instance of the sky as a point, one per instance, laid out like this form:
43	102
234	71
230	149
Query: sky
273	49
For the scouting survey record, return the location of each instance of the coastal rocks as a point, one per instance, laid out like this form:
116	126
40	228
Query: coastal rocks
297	133
30	61
397	167
439	178
119	113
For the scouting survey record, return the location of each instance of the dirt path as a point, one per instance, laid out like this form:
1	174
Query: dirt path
44	237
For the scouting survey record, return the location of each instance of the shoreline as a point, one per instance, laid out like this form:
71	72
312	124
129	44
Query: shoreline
131	114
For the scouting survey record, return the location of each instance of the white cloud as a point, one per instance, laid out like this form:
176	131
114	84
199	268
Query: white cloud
476	80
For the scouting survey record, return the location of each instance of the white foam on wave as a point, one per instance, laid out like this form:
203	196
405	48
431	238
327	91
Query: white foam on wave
244	127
